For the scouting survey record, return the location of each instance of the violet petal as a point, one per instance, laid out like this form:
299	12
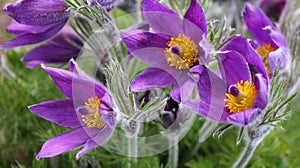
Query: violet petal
61	112
40	34
256	21
92	143
262	98
195	16
161	19
65	142
151	77
234	68
37	12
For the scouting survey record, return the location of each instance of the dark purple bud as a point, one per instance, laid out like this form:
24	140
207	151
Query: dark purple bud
175	49
169	115
234	90
167	118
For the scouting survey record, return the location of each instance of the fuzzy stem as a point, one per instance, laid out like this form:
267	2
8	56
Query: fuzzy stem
246	155
132	150
173	152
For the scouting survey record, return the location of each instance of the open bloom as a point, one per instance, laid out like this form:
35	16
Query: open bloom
59	50
270	44
172	49
241	95
36	21
88	110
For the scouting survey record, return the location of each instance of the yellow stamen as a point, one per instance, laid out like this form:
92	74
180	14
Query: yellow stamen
264	51
244	99
92	118
187	53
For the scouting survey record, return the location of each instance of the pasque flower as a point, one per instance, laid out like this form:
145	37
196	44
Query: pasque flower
270	44
59	50
172	49
241	94
39	20
88	110
36	21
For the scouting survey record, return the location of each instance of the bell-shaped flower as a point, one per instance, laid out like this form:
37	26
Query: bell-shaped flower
270	43
36	21
59	50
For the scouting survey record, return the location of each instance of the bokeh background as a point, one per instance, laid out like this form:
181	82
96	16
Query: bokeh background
22	133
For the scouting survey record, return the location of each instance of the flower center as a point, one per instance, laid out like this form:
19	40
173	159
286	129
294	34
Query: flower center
264	51
90	113
241	96
181	52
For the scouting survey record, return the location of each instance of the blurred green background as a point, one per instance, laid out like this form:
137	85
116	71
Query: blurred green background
22	133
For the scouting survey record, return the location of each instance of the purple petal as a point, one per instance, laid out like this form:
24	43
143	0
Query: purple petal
195	16
54	54
234	68
278	38
151	77
278	59
77	88
66	141
17	29
38	12
212	91
146	46
105	99
100	138
183	88
242	46
256	21
33	36
67	38
61	112
161	19
243	118
262	98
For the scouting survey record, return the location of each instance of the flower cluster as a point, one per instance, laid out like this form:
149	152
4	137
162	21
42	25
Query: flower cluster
229	84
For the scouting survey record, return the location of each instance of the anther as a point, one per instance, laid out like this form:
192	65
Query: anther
175	49
234	90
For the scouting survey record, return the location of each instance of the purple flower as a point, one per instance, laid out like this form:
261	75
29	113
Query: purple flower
37	21
88	110
270	44
242	93
60	49
273	8
172	49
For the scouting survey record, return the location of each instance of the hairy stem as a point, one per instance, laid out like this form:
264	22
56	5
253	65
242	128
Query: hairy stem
132	150
173	152
246	155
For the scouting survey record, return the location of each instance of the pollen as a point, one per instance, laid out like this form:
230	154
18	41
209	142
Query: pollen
181	52
92	116
241	96
264	51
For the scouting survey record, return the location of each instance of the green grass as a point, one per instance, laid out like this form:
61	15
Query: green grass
22	133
